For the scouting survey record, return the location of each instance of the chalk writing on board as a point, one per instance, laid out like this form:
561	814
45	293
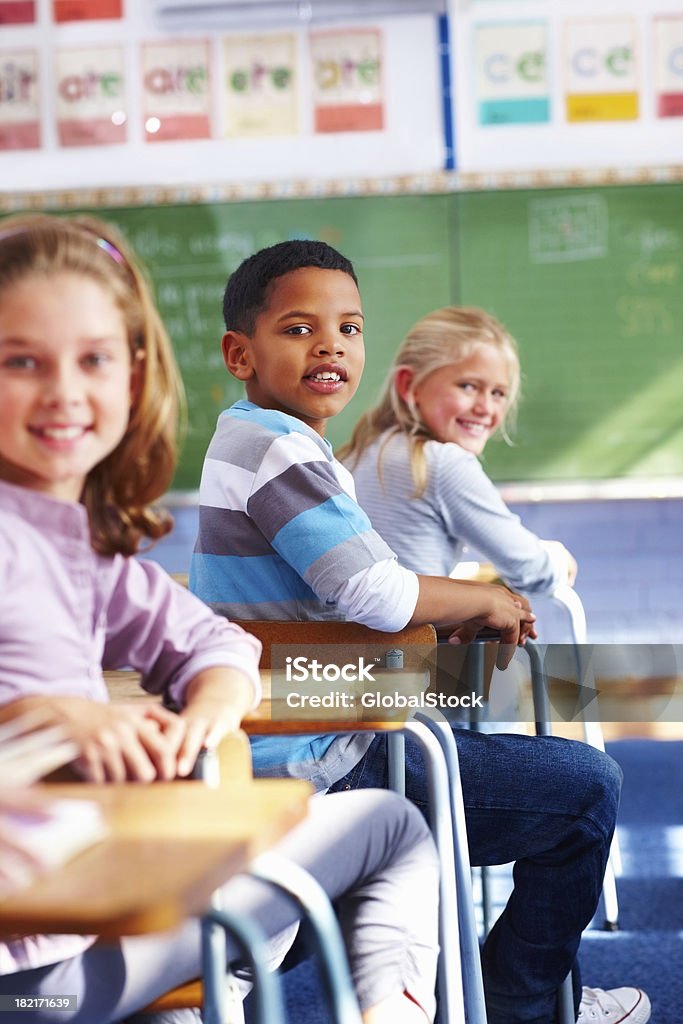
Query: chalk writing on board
650	238
644	315
568	228
191	312
150	243
645	272
398	260
234	246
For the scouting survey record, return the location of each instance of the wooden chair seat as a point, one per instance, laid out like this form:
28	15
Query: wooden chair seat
330	632
189	996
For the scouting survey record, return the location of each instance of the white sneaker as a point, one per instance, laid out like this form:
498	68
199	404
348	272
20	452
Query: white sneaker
619	1004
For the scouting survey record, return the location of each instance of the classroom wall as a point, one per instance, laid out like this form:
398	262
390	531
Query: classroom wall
588	281
514	103
541	84
528	224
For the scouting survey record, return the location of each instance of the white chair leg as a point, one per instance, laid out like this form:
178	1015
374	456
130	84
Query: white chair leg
450	974
592	734
472	981
565	1002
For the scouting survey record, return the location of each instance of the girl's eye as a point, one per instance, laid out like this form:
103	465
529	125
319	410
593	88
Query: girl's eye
500	394
299	330
96	359
21	362
350	329
466	385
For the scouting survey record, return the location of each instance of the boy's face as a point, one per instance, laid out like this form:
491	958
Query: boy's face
306	354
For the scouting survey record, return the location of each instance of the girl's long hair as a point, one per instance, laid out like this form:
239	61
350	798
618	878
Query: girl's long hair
444	337
119	492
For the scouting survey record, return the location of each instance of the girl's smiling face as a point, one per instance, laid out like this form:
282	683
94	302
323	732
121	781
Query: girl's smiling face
464	402
65	381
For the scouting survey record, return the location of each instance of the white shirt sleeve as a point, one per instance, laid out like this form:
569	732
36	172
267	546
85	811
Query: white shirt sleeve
473	511
383	596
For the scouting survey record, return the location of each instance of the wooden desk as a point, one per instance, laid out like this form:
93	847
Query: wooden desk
170	846
269	717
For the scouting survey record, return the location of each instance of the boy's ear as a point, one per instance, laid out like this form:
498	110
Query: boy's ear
403	380
236	354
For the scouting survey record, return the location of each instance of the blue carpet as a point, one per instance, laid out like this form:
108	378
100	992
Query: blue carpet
648	950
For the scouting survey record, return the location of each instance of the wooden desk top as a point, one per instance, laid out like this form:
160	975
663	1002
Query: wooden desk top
171	845
271	716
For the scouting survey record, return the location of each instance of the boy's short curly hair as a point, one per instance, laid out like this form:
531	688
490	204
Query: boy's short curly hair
246	293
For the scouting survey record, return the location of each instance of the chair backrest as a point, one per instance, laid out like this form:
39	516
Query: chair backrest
332	632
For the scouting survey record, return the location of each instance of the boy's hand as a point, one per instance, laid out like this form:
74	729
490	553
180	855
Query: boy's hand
509	614
476	606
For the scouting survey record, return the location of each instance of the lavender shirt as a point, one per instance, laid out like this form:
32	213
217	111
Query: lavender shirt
66	613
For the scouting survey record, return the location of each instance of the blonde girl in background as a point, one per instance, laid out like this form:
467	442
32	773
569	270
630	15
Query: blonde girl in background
453	384
89	396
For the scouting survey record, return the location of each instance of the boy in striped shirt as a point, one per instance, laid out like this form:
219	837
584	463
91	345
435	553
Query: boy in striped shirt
282	537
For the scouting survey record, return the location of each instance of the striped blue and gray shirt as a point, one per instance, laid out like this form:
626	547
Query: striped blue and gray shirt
281	536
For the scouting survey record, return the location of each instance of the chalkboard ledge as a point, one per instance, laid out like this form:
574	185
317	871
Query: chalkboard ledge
623	488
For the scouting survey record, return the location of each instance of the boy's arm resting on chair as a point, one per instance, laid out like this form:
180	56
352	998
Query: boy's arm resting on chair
283	532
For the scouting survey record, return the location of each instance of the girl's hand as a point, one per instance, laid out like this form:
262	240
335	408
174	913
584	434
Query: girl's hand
216	701
205	724
136	742
142	741
563	561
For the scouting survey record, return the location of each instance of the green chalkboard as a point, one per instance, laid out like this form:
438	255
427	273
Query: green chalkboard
399	245
590	281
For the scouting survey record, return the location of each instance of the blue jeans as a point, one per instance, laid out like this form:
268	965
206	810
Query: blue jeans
550	806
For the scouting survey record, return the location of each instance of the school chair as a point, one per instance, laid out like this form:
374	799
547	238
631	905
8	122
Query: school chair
342	634
475	1003
474	997
412	641
566	598
477	676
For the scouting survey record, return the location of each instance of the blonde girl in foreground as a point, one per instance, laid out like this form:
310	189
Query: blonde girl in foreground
89	394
